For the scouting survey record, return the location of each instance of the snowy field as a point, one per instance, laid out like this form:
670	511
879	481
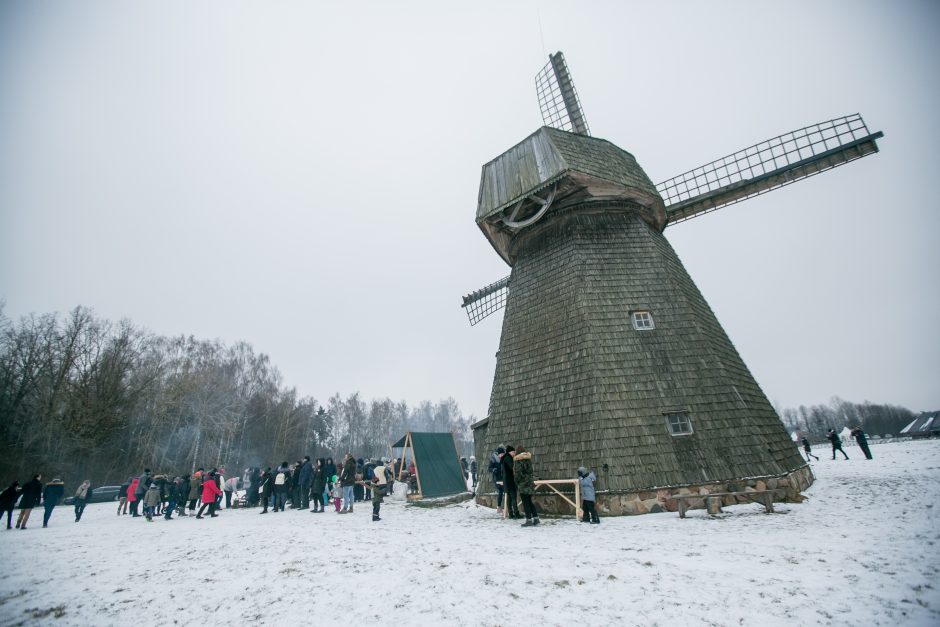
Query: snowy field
863	549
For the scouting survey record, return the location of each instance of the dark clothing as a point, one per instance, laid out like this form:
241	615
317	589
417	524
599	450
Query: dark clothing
378	492
306	474
329	470
509	485
509	477
212	508
589	514
348	478
528	508
862	441
808	450
31	494
254	482
80	503
53	492
836	444
8	500
8	496
50	498
264	489
524	475
142	484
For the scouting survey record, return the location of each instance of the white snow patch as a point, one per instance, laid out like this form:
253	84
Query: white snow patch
864	549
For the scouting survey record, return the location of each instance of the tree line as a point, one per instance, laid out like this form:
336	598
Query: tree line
83	397
874	419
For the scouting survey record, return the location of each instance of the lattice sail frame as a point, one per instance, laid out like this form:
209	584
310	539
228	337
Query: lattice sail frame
766	166
558	99
485	301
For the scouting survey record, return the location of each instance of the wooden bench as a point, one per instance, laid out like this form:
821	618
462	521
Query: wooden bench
765	498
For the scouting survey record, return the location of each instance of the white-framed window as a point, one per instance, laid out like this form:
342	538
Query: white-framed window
642	320
678	423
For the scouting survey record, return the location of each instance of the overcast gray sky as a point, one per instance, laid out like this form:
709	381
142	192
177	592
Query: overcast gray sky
303	176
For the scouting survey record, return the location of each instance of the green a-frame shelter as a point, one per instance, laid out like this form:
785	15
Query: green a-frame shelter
437	464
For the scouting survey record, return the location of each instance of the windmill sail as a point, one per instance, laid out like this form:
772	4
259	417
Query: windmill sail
486	300
558	99
766	166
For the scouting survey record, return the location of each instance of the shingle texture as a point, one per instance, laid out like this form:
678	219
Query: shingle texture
576	384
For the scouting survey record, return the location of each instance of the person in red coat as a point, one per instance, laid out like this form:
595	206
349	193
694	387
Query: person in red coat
209	493
132	498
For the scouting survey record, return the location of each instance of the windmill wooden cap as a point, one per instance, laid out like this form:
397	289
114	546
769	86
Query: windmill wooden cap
565	169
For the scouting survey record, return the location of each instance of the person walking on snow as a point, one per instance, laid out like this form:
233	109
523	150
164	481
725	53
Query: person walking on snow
82	494
8	502
152	499
808	450
51	494
210	492
132	499
836	443
31	494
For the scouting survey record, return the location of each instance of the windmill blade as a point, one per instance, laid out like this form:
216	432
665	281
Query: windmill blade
484	301
558	98
766	166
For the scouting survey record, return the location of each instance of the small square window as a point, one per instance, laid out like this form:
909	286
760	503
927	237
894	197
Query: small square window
643	321
678	423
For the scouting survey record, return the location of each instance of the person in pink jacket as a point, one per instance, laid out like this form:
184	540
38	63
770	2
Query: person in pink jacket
132	498
209	493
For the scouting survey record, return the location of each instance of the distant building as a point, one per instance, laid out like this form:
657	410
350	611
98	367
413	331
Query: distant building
927	425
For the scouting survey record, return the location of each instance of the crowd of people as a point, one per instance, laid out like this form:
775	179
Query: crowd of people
304	485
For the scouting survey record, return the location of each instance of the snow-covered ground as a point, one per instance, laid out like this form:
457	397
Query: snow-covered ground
863	549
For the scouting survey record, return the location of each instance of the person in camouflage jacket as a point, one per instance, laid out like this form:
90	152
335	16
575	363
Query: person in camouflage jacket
525	483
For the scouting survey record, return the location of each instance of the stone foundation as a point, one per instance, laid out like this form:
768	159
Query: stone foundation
786	489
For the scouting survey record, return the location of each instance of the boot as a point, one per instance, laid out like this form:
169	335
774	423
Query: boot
535	521
528	523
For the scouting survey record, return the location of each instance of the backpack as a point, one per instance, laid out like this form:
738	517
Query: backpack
281	478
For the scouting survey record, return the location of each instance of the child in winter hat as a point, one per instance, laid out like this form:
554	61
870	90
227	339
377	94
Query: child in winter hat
586	480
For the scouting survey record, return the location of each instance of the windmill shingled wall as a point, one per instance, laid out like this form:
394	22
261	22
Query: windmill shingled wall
576	384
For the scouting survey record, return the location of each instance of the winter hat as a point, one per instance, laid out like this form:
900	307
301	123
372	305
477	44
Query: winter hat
582	471
510	449
500	450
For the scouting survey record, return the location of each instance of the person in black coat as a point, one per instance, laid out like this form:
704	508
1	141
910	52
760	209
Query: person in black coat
833	437
254	482
51	494
509	483
8	501
265	488
304	481
182	493
31	494
317	487
862	441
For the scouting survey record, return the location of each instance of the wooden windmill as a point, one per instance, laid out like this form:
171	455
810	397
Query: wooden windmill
609	355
